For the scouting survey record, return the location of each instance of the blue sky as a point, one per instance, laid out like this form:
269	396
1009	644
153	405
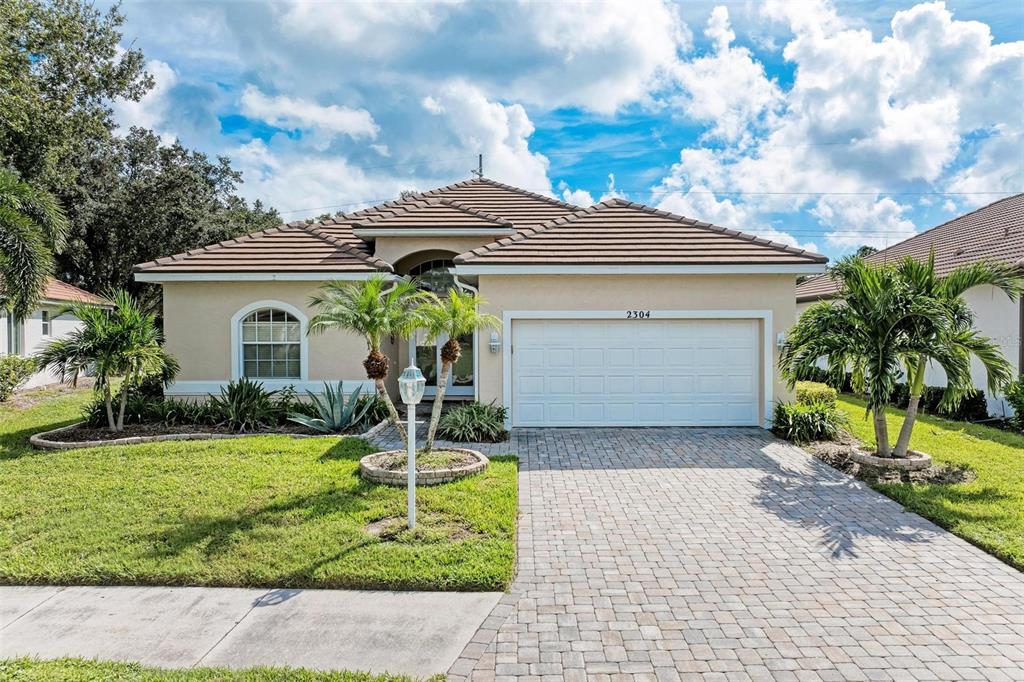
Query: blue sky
824	124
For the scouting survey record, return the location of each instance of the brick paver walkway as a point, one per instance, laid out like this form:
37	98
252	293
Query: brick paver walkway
725	554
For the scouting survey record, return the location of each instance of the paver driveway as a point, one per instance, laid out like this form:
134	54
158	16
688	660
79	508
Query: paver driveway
727	554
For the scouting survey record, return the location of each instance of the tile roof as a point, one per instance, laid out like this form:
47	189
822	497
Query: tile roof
62	292
432	213
296	247
619	232
994	232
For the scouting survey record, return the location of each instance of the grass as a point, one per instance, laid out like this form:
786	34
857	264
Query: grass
261	511
81	670
989	511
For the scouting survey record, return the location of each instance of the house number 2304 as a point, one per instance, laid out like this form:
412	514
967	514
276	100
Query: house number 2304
638	314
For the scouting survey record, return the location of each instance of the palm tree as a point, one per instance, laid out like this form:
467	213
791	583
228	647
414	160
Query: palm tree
32	227
892	319
121	340
374	308
456	315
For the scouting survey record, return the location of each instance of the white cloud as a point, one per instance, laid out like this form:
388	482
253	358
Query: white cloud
577	197
152	110
500	132
896	115
325	121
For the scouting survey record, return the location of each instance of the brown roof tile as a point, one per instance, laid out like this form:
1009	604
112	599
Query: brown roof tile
434	212
994	232
63	292
619	232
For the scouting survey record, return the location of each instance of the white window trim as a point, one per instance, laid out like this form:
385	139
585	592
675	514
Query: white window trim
765	316
45	324
255	276
236	342
753	269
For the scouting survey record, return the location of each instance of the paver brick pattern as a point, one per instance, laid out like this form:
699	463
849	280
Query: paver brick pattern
726	554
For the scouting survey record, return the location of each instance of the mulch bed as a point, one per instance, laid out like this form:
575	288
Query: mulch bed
837	455
436	461
98	434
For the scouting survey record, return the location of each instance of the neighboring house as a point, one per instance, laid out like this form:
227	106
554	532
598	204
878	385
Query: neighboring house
616	314
991	233
46	323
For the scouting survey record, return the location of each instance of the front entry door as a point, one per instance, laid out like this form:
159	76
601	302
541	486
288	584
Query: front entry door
460	379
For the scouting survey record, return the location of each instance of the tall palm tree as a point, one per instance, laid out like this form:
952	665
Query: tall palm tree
374	308
891	319
121	340
32	227
453	316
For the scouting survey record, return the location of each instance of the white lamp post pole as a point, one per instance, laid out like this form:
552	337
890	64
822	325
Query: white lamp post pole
411	483
411	384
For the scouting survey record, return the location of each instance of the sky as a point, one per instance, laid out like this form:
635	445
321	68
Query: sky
824	124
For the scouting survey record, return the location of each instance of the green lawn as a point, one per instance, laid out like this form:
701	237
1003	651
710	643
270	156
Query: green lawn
260	511
80	670
988	511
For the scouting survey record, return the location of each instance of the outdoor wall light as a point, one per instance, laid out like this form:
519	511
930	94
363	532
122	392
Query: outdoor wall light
780	340
495	343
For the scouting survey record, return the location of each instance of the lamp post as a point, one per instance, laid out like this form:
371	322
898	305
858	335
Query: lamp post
411	384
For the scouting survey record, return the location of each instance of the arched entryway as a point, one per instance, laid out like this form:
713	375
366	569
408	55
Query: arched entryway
435	271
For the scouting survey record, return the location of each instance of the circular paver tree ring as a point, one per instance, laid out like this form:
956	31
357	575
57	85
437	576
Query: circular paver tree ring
914	461
371	469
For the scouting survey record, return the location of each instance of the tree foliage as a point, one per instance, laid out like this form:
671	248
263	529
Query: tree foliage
892	319
137	200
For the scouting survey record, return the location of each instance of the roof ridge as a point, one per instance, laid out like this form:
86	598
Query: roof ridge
625	203
409	205
524	192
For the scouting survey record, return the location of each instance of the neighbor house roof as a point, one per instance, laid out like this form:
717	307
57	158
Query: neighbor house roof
62	292
991	233
619	232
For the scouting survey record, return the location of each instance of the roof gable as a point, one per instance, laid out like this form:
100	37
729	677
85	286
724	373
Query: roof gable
431	216
994	233
619	232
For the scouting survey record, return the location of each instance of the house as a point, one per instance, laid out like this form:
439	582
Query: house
992	233
618	314
46	323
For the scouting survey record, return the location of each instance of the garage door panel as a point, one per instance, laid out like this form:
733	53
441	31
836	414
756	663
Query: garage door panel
635	372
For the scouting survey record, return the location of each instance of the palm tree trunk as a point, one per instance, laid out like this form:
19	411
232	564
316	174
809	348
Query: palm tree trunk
124	404
916	388
108	401
395	419
881	433
435	412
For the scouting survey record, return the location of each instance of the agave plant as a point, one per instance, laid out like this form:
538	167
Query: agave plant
336	412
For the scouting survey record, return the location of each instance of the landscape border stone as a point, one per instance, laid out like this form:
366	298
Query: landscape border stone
40	440
915	461
375	474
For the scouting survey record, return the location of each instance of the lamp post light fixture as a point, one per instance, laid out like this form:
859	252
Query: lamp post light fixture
411	385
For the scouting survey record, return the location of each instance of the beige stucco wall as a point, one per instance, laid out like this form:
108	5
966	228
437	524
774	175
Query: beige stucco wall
634	292
197	326
393	249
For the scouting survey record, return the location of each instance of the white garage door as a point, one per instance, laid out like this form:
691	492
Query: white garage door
651	372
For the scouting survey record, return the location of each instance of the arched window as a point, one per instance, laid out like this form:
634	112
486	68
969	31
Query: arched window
435	275
271	345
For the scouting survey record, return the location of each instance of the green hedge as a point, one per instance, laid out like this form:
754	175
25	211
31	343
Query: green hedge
812	392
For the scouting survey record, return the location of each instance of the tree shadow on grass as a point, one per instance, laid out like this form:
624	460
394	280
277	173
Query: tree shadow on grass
15	445
219	534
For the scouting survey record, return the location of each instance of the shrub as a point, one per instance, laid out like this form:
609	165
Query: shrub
475	423
334	413
806	422
14	372
1014	394
812	391
244	405
375	413
973	406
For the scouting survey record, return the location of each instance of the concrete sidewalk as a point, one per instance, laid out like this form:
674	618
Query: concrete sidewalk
416	633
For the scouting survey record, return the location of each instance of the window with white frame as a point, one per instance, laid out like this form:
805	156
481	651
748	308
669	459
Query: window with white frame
271	345
44	318
15	330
